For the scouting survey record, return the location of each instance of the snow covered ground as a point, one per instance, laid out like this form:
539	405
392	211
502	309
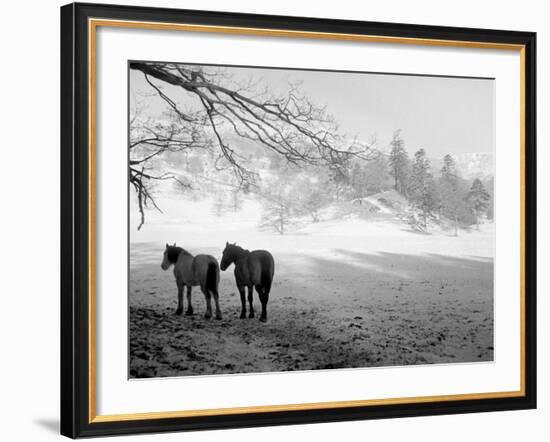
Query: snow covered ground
353	290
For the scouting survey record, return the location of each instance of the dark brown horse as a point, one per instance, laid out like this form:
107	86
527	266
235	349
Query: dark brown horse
252	269
189	270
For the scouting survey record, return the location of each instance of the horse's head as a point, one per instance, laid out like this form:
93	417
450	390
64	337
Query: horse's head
169	257
228	256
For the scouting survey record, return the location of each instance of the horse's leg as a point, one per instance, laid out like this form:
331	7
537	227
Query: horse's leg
250	295
179	310
189	310
243	300
217	302
208	298
263	292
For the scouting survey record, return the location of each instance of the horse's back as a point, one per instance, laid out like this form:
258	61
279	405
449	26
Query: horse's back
204	260
262	267
183	270
202	265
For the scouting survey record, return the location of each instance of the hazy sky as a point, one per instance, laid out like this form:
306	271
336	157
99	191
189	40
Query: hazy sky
442	115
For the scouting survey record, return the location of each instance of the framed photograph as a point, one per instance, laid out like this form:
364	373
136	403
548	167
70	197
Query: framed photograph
274	220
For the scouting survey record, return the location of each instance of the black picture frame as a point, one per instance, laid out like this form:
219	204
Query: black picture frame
75	220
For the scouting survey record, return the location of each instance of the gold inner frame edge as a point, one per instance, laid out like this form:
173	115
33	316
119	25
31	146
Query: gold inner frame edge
93	24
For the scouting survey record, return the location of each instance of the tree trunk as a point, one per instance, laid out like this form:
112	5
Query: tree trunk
424	216
456	225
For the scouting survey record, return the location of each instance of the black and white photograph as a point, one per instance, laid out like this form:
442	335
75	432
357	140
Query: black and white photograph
286	219
275	221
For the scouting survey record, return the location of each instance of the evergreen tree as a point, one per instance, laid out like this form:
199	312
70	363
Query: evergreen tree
375	175
452	194
399	163
479	199
490	186
370	177
448	170
422	187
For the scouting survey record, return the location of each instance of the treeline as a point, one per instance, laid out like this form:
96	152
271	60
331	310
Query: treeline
439	195
432	194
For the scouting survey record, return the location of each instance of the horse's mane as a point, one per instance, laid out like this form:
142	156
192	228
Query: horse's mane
174	252
238	249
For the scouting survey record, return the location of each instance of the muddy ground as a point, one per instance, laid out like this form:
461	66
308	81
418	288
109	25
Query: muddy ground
336	309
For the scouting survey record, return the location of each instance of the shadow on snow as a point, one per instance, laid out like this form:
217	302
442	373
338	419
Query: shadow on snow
349	310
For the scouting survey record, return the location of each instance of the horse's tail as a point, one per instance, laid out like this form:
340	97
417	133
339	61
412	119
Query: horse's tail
212	276
268	268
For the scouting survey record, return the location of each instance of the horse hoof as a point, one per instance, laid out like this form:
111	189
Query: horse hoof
207	316
243	316
219	317
251	315
263	319
178	312
188	313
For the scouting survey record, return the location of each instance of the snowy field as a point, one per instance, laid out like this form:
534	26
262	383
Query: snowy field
353	290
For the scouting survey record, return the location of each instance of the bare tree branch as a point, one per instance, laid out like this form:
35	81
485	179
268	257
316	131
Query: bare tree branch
289	125
220	110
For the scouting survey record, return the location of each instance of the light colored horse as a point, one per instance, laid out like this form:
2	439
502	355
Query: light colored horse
190	271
